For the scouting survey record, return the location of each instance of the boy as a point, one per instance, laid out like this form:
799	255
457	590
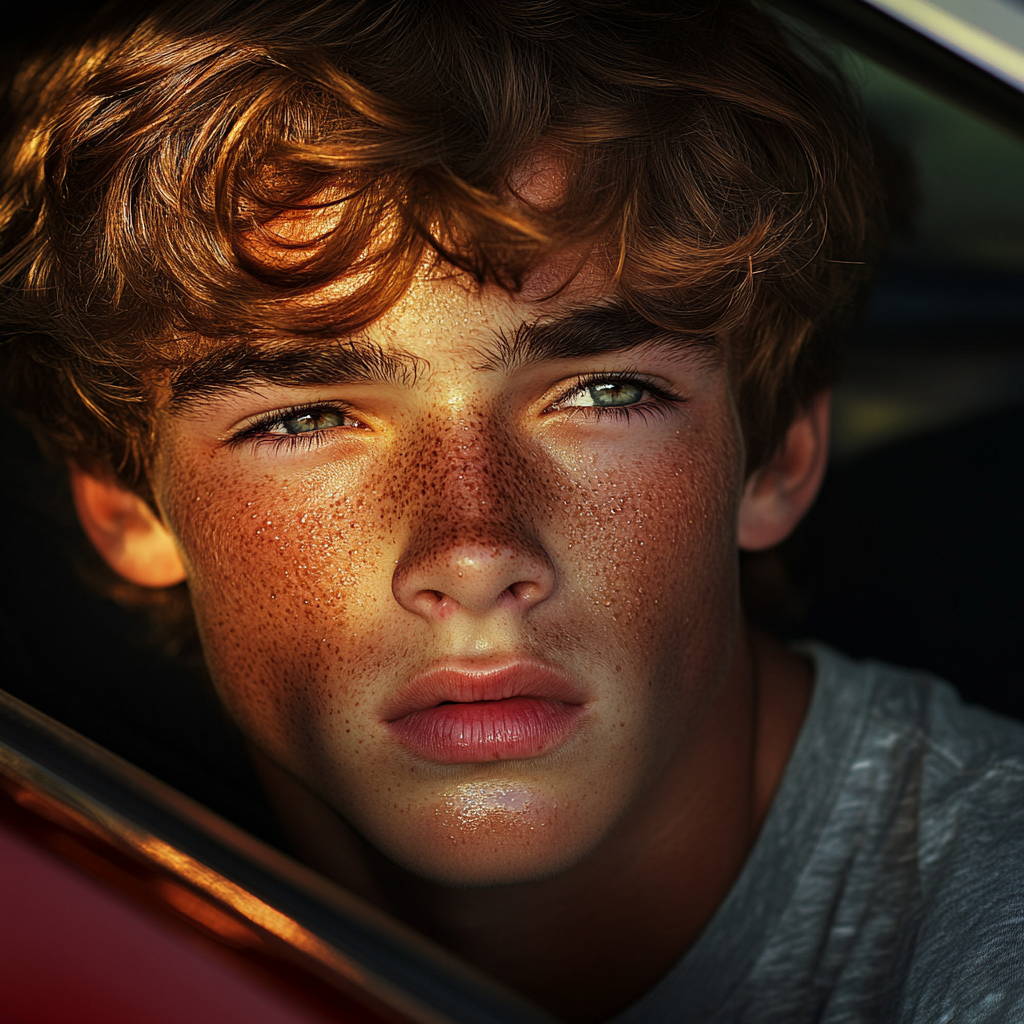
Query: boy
450	354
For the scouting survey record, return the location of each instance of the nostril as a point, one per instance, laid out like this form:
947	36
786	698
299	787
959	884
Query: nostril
428	600
526	590
435	604
473	578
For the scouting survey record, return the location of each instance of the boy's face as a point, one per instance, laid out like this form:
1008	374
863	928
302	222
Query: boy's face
472	578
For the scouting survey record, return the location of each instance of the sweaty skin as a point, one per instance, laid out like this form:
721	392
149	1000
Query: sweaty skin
476	516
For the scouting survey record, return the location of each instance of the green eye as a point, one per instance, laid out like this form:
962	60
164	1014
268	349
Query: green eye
605	394
307	422
615	393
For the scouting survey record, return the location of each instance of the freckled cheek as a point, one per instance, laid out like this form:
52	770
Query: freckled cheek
288	582
648	550
279	542
641	541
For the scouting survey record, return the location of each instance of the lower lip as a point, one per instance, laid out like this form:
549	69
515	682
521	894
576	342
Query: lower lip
487	730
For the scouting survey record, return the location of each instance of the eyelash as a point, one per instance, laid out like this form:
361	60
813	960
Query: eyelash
258	433
661	401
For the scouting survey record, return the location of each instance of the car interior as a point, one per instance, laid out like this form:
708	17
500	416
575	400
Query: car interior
913	553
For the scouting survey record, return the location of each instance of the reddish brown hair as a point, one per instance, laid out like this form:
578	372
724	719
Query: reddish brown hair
726	177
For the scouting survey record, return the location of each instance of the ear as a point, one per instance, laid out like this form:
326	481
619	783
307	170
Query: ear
780	492
123	528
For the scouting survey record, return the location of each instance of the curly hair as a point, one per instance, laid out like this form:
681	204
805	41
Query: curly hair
724	173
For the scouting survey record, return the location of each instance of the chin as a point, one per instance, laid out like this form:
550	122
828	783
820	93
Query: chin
487	834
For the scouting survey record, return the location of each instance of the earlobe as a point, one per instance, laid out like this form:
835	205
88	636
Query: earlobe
125	531
779	493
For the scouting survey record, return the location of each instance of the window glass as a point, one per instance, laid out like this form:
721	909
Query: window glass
913	552
940	339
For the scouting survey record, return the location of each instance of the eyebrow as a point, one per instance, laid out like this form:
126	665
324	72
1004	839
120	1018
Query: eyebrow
589	331
244	364
579	333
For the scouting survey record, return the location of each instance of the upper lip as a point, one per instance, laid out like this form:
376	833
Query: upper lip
464	683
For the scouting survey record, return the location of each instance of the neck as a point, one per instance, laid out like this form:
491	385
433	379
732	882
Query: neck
586	943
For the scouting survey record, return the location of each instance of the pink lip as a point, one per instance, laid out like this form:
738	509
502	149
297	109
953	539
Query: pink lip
464	716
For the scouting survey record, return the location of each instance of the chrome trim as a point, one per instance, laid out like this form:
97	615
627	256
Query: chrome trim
886	31
319	925
988	33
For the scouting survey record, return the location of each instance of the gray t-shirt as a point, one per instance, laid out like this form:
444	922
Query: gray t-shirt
888	881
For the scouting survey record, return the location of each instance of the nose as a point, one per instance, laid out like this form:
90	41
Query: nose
474	577
475	498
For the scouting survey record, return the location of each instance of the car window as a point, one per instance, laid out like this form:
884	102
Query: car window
913	553
940	339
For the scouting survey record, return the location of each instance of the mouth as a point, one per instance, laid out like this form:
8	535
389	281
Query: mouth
466	716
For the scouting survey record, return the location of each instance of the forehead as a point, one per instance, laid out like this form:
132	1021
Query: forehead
448	313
